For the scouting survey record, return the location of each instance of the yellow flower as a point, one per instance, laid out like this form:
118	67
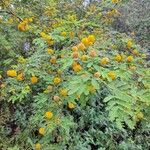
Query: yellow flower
74	64
63	92
115	1
43	35
59	71
58	120
77	68
26	20
48	115
49	89
50	51
71	105
38	146
93	53
118	58
30	19
21	60
109	14
143	56
57	80
42	131
97	75
10	20
84	57
50	42
91	38
129	44
12	73
85	41
81	46
56	98
46	91
92	89
133	68
72	34
34	79
130	58
22	26
140	115
20	77
104	61
75	54
53	60
74	48
48	38
135	52
27	88
112	75
63	34
115	12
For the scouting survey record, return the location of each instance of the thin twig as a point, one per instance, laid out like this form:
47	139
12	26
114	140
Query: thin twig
12	13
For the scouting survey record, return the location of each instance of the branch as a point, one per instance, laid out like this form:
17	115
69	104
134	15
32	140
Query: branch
11	13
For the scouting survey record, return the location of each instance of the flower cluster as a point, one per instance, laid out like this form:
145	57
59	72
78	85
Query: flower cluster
23	26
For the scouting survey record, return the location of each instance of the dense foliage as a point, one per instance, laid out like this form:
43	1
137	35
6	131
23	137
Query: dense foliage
70	81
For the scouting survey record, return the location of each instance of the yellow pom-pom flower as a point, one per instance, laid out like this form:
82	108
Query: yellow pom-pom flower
112	75
77	68
115	1
129	44
139	116
85	41
132	68
104	61
53	60
71	105
91	38
63	92
43	34
42	131
57	80
130	58
37	146
81	46
74	48
20	77
92	89
30	19
63	34
48	115
50	51
135	52
34	79
12	73
93	53
97	75
143	56
84	57
118	58
21	60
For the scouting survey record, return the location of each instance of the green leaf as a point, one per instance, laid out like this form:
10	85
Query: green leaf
95	83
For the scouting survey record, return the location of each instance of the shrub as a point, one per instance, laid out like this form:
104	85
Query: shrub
75	64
